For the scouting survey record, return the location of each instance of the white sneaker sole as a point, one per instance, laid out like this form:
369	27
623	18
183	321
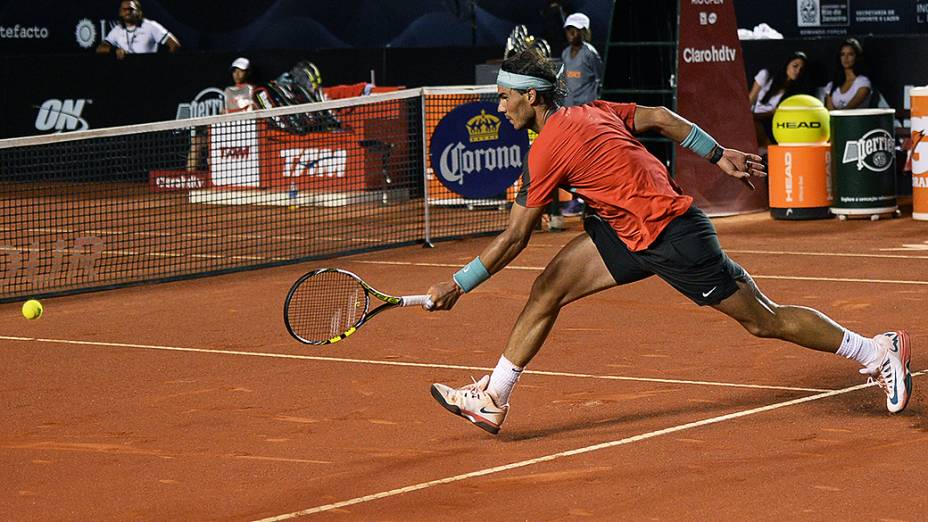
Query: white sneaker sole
905	355
477	420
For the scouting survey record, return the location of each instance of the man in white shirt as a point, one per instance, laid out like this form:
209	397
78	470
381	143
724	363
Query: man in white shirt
135	34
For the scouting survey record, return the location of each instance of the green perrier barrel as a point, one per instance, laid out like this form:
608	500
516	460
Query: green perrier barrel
863	162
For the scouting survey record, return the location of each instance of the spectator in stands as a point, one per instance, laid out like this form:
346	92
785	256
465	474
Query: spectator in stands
770	89
240	95
582	65
849	88
135	34
583	69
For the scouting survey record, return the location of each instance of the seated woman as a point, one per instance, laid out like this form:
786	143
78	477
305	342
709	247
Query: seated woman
849	88
769	89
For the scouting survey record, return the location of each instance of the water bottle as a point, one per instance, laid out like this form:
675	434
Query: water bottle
294	194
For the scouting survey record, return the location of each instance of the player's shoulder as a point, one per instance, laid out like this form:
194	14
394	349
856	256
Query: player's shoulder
762	76
589	47
150	24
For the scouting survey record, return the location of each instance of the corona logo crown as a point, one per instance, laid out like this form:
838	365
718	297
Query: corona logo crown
484	127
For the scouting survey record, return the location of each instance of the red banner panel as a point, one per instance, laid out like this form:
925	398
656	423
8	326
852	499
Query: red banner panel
712	93
177	180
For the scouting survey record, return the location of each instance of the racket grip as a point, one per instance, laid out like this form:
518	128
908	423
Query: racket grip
414	300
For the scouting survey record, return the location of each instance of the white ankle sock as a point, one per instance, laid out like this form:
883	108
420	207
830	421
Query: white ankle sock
504	378
859	348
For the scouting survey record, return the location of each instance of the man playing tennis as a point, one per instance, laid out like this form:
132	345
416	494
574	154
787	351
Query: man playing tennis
641	225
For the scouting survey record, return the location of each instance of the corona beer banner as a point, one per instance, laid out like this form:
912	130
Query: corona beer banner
476	152
712	92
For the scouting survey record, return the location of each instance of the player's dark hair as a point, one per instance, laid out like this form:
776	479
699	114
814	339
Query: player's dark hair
532	63
838	79
138	6
781	80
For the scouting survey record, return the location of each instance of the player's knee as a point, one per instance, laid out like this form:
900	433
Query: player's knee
546	292
766	325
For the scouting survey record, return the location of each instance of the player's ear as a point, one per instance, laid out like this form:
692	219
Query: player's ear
532	96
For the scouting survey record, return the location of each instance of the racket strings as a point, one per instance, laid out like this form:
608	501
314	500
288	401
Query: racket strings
326	305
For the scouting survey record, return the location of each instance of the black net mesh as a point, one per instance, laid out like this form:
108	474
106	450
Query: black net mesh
181	199
446	219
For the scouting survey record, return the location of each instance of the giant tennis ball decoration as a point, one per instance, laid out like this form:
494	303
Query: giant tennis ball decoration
32	309
801	119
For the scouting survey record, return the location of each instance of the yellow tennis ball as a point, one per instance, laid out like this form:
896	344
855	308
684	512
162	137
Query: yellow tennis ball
32	309
801	119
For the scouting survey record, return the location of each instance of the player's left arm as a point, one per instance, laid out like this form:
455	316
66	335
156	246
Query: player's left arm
172	43
499	253
677	128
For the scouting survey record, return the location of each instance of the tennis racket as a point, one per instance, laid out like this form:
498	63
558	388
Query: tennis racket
326	305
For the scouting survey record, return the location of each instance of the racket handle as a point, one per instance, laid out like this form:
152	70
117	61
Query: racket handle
414	300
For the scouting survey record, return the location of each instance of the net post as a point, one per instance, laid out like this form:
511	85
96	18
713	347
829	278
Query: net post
427	239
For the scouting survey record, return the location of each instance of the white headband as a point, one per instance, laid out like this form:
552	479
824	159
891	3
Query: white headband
524	81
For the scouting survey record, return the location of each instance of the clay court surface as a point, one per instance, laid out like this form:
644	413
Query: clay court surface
189	401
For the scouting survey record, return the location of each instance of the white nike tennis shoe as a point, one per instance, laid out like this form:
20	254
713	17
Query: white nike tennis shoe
893	373
472	402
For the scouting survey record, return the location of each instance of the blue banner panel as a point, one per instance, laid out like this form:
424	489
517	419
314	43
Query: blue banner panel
476	152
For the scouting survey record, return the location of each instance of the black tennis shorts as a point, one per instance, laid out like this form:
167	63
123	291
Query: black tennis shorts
687	255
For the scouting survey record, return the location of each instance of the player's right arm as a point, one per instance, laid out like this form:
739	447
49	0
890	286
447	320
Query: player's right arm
671	125
499	253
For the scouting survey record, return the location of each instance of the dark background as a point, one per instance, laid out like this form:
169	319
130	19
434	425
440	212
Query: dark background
410	43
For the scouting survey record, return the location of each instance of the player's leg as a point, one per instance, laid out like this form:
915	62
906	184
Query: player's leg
763	318
588	264
578	270
886	357
690	258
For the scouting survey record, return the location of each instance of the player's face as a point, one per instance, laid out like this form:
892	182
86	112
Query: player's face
130	13
573	35
515	107
794	68
848	57
238	75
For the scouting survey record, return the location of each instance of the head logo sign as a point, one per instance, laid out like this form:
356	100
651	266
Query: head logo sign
476	153
875	151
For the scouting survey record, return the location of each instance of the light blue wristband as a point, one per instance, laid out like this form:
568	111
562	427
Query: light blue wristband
699	142
471	275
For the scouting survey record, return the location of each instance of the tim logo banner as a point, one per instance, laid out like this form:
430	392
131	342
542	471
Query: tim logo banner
476	152
234	154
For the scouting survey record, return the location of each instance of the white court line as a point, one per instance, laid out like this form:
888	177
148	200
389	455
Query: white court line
400	363
823	254
785	278
564	454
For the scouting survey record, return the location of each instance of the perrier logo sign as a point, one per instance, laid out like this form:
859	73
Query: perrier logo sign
874	151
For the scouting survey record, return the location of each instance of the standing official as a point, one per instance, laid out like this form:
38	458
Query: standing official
583	67
135	34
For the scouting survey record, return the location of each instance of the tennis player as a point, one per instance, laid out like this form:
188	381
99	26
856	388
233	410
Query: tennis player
641	225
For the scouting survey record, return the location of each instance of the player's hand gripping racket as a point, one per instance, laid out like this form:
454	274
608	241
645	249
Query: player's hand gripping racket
329	304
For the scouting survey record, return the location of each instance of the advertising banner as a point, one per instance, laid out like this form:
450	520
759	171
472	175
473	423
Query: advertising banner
837	18
712	93
476	152
234	154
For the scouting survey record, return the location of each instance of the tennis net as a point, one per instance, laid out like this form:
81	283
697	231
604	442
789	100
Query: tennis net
188	198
